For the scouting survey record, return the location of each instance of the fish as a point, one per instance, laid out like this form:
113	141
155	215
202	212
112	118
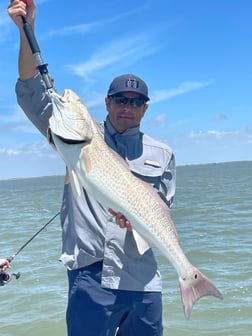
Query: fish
94	166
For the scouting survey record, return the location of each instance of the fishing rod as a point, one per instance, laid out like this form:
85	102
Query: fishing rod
5	277
41	65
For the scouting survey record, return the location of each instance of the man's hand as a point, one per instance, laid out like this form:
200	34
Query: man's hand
121	220
4	264
19	8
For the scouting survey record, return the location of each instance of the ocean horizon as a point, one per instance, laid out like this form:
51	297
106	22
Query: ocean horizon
178	166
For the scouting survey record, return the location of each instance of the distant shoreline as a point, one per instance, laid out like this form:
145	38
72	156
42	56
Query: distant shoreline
178	166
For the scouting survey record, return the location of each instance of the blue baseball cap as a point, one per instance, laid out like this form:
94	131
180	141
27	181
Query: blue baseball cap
128	83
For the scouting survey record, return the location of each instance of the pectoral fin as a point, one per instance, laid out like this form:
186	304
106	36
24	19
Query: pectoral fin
75	183
85	161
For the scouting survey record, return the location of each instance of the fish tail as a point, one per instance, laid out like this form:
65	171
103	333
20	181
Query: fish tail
194	288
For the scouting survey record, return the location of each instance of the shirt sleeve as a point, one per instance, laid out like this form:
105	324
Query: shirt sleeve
167	185
36	104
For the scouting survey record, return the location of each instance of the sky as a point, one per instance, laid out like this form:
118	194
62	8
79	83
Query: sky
195	56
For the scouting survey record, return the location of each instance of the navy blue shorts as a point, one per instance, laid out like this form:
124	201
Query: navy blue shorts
96	311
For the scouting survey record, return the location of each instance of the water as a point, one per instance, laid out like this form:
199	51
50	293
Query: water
213	215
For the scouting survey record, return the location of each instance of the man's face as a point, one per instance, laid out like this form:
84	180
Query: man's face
124	114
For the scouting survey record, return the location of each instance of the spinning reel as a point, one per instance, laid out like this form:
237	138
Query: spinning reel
5	277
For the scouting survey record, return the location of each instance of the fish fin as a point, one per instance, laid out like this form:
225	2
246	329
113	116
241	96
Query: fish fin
67	178
141	244
75	183
194	288
85	161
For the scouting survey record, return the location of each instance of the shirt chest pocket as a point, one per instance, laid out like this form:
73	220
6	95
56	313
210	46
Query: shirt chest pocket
148	171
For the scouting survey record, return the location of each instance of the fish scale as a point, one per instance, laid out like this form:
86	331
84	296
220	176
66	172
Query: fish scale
98	169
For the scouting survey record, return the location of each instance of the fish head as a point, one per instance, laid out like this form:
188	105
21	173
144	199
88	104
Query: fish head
70	118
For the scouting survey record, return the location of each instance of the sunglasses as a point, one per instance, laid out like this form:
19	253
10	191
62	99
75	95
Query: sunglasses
135	102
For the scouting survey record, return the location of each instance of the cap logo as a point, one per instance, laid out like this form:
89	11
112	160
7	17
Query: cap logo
132	83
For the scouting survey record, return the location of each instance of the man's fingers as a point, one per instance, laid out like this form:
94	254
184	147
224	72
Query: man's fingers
121	220
112	212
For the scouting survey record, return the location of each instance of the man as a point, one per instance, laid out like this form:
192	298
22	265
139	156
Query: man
113	290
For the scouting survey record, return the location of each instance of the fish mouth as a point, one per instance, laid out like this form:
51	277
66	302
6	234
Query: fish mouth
67	141
71	141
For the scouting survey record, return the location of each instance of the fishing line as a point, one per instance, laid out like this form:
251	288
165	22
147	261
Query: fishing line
5	277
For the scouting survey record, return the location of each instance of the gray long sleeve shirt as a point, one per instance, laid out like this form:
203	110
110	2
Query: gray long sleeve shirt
88	231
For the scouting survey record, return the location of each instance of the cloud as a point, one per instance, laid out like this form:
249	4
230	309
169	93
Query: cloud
231	138
84	28
208	146
38	149
185	87
76	29
219	116
9	152
124	51
36	159
213	134
158	120
16	121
